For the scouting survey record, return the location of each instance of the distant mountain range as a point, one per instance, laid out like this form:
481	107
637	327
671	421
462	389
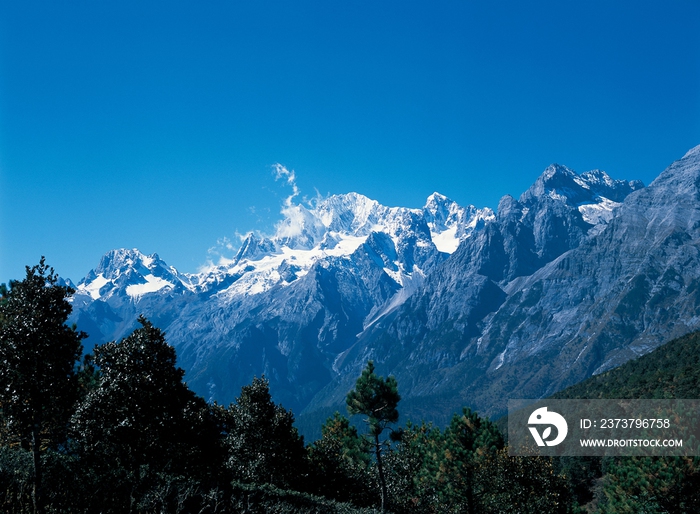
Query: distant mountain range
463	305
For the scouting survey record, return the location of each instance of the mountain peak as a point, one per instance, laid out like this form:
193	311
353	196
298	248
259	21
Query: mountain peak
563	184
681	180
436	198
559	183
439	206
555	169
115	262
695	151
349	212
254	247
130	271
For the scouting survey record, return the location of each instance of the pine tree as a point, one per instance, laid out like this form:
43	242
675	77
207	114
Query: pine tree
376	398
651	484
340	462
413	471
469	440
263	445
38	357
530	483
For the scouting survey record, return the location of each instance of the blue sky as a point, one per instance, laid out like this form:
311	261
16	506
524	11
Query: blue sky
156	125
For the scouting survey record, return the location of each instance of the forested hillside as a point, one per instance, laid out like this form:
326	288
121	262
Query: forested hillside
120	431
671	371
634	484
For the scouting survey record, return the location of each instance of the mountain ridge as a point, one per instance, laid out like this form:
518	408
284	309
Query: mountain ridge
307	304
563	306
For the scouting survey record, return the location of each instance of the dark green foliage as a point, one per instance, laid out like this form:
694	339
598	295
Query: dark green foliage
647	484
582	474
652	484
670	371
3	293
528	485
412	470
469	442
466	469
38	356
263	445
141	426
268	499
376	398
340	463
16	470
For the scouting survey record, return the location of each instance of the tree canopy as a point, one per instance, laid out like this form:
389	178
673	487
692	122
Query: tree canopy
263	444
377	398
38	363
124	433
142	416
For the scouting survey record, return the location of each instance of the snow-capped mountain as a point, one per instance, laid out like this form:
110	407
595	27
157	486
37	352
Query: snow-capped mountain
328	271
536	301
306	304
594	193
130	273
336	227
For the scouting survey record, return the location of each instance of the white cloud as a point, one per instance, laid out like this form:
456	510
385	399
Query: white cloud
220	253
298	222
295	216
282	173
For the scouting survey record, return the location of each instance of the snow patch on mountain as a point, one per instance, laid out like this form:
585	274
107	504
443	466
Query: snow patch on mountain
335	227
446	241
450	224
130	273
151	285
598	213
93	287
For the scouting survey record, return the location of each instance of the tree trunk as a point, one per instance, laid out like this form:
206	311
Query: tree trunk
36	479
470	490
380	468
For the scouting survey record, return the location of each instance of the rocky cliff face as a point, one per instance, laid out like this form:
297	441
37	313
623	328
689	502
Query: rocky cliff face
540	299
286	305
463	306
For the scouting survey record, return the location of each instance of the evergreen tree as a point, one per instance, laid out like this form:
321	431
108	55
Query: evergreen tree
141	428
376	398
38	356
263	445
413	471
339	463
531	484
469	440
3	293
651	484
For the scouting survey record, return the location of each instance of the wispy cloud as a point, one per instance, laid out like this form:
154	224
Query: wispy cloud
222	253
218	253
282	173
294	215
297	220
